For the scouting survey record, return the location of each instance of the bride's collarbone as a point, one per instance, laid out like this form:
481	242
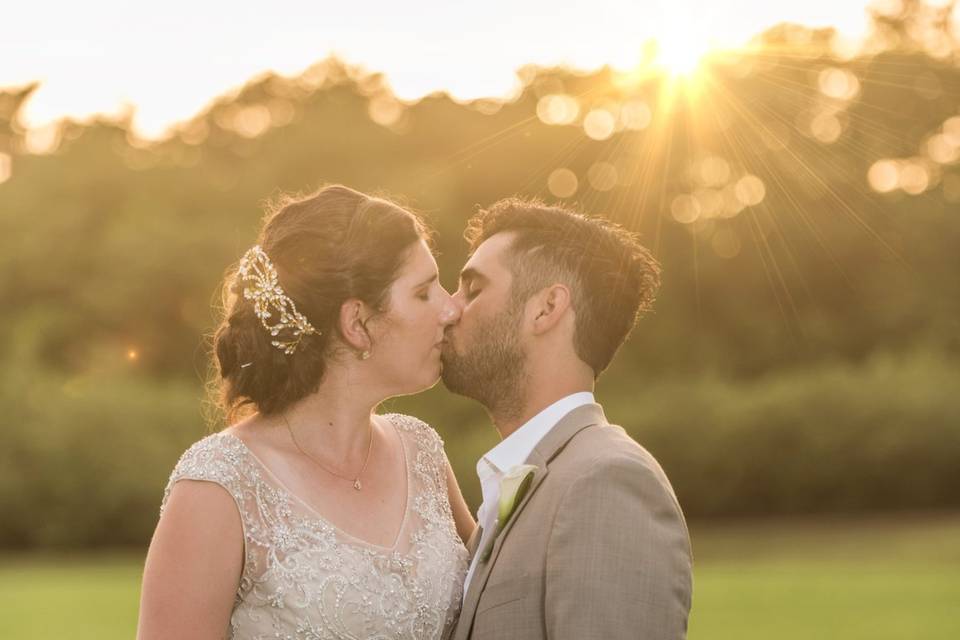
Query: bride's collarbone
373	514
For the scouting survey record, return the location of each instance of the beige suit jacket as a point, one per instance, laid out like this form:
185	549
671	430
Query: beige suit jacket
597	548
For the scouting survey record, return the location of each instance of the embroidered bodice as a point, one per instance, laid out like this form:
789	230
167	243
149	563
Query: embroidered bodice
304	578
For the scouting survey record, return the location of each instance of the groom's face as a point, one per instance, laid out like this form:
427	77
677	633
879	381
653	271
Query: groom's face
483	355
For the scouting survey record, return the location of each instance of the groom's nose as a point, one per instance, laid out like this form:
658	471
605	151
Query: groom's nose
458	298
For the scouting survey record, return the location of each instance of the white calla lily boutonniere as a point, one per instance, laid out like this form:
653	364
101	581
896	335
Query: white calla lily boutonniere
513	486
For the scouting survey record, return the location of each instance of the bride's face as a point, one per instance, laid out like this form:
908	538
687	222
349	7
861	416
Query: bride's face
407	344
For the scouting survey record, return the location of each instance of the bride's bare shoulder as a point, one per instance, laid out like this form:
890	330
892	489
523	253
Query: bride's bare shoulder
248	429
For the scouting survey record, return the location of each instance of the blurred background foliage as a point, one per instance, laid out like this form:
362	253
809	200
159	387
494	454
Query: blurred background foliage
805	203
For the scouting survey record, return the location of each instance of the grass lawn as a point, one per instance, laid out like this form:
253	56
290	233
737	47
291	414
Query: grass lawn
877	579
869	578
76	598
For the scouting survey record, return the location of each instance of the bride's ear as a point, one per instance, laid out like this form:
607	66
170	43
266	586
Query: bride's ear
354	315
548	307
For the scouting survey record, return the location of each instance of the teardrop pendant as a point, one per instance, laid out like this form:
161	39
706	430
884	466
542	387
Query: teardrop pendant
357	485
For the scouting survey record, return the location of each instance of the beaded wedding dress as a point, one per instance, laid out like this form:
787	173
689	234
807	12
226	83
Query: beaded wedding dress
304	578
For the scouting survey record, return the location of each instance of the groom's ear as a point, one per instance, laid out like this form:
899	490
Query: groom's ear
549	307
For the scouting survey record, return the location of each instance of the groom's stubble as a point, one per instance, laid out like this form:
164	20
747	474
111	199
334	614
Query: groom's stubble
490	367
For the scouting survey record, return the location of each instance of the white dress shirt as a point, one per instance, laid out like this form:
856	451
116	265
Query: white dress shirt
512	451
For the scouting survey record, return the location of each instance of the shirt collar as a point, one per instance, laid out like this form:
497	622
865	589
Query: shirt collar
517	447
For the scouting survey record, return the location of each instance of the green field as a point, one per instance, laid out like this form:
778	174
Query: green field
877	579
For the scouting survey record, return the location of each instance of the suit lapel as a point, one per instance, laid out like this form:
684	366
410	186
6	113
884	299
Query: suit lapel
552	444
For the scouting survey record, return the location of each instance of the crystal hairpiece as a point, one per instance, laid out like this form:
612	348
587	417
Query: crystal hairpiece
269	298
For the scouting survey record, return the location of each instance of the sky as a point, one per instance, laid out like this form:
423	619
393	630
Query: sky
167	60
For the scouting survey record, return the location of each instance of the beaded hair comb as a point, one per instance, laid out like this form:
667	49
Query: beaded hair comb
262	286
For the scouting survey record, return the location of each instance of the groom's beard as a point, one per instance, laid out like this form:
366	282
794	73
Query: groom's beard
491	369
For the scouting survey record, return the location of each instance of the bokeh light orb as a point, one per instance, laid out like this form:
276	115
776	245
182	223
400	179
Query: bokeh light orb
599	124
751	190
685	208
914	178
884	176
714	171
839	84
562	183
558	109
636	115
385	110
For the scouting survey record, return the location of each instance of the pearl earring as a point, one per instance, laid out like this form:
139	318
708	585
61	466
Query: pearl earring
364	355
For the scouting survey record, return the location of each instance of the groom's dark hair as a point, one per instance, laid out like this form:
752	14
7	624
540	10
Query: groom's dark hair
612	278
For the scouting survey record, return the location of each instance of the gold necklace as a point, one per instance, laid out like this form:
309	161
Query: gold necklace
356	481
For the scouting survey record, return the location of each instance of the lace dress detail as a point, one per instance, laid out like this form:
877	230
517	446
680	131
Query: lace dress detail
304	578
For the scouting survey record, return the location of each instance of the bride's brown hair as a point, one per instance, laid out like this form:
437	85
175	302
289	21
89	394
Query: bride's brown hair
328	247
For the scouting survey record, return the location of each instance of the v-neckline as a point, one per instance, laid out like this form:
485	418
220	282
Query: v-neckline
324	519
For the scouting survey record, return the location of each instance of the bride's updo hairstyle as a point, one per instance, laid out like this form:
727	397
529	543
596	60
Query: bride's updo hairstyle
328	247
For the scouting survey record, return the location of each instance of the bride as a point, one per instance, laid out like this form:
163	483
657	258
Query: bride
312	516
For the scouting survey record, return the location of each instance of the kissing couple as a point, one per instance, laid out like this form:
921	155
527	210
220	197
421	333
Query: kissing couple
313	516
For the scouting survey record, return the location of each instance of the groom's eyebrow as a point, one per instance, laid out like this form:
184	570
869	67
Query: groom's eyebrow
470	274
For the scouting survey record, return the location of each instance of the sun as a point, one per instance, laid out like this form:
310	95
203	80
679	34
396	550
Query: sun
681	53
683	41
681	56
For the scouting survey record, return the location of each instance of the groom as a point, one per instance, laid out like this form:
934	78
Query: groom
588	540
